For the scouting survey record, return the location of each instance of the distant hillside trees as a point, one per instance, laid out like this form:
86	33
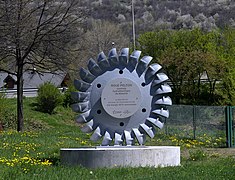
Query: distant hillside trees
188	56
170	14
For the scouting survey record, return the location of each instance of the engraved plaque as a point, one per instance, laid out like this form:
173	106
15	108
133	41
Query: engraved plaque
121	98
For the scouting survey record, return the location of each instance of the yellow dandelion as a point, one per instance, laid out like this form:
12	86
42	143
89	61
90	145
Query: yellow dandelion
46	163
188	145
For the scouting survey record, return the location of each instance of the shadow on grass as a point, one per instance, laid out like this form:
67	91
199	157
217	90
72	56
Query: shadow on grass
35	107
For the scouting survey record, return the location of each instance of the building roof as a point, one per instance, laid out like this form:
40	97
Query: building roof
32	79
3	76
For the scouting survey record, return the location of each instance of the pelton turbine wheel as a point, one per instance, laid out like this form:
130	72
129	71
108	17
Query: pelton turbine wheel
121	98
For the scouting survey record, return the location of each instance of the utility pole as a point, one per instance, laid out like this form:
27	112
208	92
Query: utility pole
133	22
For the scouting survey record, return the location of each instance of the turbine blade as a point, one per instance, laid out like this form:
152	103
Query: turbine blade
156	122
84	117
134	57
165	88
81	85
94	68
104	65
129	139
80	107
113	52
160	78
88	127
103	62
107	139
139	136
143	64
117	139
136	54
164	101
113	58
96	135
123	57
86	75
162	112
101	56
148	130
80	96
151	71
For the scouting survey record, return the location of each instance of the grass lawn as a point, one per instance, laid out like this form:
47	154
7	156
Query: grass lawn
34	153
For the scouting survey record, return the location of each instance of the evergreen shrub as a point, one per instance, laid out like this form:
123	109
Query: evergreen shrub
48	98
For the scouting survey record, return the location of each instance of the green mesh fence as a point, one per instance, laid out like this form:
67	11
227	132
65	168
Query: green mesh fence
230	112
197	122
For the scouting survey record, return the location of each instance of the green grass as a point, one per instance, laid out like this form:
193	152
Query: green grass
34	153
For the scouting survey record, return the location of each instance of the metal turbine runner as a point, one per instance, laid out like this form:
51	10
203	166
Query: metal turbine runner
121	98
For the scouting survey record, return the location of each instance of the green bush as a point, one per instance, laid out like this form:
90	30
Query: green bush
7	116
49	97
67	100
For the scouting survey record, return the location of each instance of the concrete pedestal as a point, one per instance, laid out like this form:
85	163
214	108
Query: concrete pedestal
124	156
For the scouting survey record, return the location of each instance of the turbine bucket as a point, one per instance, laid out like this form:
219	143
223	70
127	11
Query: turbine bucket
104	65
94	68
156	122
129	139
136	54
113	58
123	57
118	139
160	78
148	130
139	136
101	56
86	75
164	101
151	71
161	112
107	139
88	127
143	64
81	85
80	107
84	117
165	88
133	60
103	62
80	96
96	135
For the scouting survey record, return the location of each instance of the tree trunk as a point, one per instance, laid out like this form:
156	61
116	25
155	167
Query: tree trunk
20	117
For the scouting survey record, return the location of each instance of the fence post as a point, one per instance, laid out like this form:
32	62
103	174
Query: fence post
229	130
194	122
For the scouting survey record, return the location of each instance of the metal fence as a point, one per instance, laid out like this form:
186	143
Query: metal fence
195	122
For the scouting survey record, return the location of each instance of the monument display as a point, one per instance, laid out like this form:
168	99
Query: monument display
121	99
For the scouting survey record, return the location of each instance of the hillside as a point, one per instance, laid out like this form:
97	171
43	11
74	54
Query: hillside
173	14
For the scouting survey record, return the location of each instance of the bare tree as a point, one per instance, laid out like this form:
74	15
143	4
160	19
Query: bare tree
37	34
102	36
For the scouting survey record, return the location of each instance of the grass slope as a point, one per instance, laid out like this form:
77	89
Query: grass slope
34	153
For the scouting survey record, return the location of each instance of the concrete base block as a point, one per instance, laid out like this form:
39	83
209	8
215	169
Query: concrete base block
124	156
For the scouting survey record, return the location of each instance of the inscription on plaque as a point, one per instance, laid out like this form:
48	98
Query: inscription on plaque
121	97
